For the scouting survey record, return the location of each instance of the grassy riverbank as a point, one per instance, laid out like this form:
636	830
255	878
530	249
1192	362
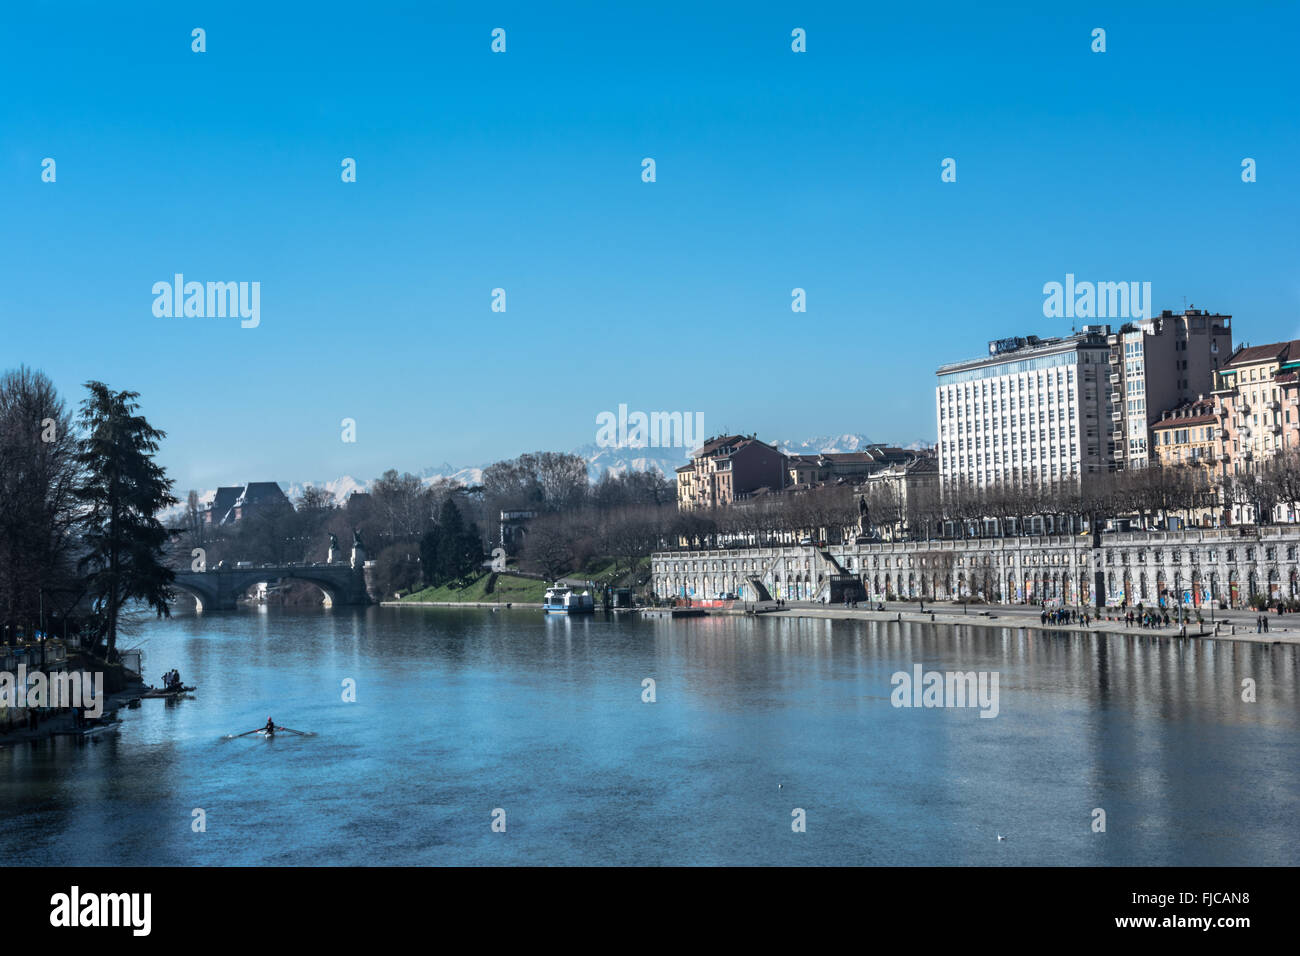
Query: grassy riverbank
486	589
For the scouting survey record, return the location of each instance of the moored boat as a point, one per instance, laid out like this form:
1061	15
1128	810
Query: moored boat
167	691
563	600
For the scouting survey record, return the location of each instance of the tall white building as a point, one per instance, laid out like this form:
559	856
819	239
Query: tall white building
1031	411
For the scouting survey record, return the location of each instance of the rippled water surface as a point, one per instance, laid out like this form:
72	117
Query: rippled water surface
458	713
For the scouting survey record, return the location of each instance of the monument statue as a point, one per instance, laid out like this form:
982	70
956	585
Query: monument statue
358	549
334	546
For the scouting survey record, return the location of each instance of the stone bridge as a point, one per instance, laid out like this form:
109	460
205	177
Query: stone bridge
219	590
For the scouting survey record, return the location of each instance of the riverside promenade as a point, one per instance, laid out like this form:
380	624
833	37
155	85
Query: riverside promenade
1236	625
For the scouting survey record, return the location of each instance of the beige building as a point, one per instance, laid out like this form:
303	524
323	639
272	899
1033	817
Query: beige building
1257	399
1187	435
729	468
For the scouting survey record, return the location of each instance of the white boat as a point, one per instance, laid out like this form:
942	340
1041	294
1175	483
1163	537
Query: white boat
563	600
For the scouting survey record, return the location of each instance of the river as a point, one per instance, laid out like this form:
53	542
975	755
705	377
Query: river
459	713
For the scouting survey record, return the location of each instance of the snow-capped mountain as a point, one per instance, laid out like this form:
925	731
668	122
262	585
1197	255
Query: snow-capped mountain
620	459
340	488
826	445
448	471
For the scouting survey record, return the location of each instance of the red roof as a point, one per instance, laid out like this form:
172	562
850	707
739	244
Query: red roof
1166	423
1272	352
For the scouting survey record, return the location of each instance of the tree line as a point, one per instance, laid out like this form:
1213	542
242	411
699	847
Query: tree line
80	540
422	533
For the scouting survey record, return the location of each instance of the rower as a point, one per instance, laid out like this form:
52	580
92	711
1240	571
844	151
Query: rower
270	726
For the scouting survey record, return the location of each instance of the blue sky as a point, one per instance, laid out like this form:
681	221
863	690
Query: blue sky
523	171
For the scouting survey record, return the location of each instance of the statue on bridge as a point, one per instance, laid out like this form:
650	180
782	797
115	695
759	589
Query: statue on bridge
358	549
334	546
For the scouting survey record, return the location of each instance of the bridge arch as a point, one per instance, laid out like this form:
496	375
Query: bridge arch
204	597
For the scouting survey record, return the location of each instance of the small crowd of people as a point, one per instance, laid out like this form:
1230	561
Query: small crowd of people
1147	618
1064	615
172	680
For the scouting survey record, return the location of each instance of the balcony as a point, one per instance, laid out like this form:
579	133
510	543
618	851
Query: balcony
1244	408
1274	406
1114	378
1117	415
1113	358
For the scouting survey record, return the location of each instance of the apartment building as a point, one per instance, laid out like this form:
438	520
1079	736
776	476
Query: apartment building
1257	397
1157	364
1187	435
1031	411
728	468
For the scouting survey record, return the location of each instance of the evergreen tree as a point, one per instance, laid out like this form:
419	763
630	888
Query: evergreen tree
459	549
429	567
122	490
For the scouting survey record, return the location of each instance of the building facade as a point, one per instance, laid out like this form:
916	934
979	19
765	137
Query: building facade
1256	396
1031	411
1157	364
1193	568
728	468
235	503
1187	435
